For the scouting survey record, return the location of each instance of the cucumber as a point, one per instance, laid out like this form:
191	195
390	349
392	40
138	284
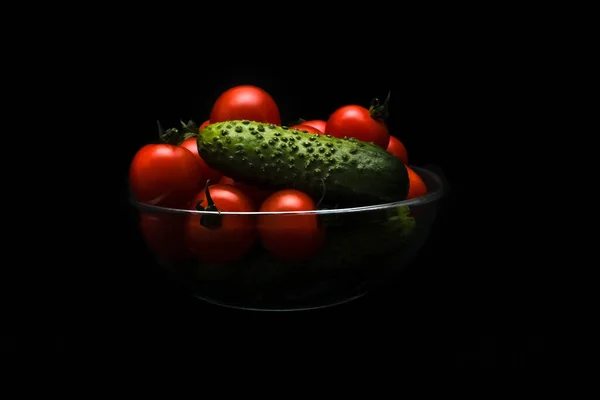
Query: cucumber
352	172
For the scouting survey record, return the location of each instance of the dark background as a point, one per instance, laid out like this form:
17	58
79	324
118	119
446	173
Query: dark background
463	302
451	307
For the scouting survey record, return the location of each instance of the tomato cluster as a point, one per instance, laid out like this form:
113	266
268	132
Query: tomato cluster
176	176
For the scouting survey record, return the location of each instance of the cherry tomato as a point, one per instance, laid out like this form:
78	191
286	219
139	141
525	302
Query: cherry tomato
165	235
396	147
245	102
417	186
316	123
290	237
204	124
165	175
225	180
207	172
310	129
356	121
257	194
221	238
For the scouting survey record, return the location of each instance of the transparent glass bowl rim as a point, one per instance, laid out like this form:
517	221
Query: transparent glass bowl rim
435	193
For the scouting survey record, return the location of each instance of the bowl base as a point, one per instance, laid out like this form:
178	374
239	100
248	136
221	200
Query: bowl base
310	306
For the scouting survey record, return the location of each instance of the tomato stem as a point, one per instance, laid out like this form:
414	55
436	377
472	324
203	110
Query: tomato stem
167	136
380	111
299	121
177	136
209	221
190	126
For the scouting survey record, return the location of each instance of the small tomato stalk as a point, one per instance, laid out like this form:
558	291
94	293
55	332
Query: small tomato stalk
379	111
209	221
176	136
299	121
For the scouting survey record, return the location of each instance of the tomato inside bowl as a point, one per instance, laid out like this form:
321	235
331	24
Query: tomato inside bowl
289	260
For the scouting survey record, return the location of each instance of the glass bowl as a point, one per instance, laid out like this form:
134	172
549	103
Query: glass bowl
361	249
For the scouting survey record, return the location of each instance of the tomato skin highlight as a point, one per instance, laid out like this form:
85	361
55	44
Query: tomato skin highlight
245	102
356	121
417	187
165	175
290	237
225	180
257	194
233	238
308	128
164	234
397	148
204	124
317	124
207	172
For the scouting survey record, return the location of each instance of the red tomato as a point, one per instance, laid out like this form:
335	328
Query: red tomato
316	123
245	102
257	194
165	175
207	172
396	147
417	186
356	121
290	237
225	180
204	124
221	238
165	235
308	128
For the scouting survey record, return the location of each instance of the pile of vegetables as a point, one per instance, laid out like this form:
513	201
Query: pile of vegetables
242	159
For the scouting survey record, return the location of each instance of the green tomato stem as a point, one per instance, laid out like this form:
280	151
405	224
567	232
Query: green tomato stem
209	221
380	111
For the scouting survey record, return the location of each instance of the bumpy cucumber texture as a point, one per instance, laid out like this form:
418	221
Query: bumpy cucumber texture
352	172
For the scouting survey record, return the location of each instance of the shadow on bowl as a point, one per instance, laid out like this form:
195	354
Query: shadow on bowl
353	251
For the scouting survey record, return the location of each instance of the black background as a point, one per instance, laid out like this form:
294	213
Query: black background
461	303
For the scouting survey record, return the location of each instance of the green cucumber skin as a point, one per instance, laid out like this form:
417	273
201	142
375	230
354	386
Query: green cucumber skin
354	172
